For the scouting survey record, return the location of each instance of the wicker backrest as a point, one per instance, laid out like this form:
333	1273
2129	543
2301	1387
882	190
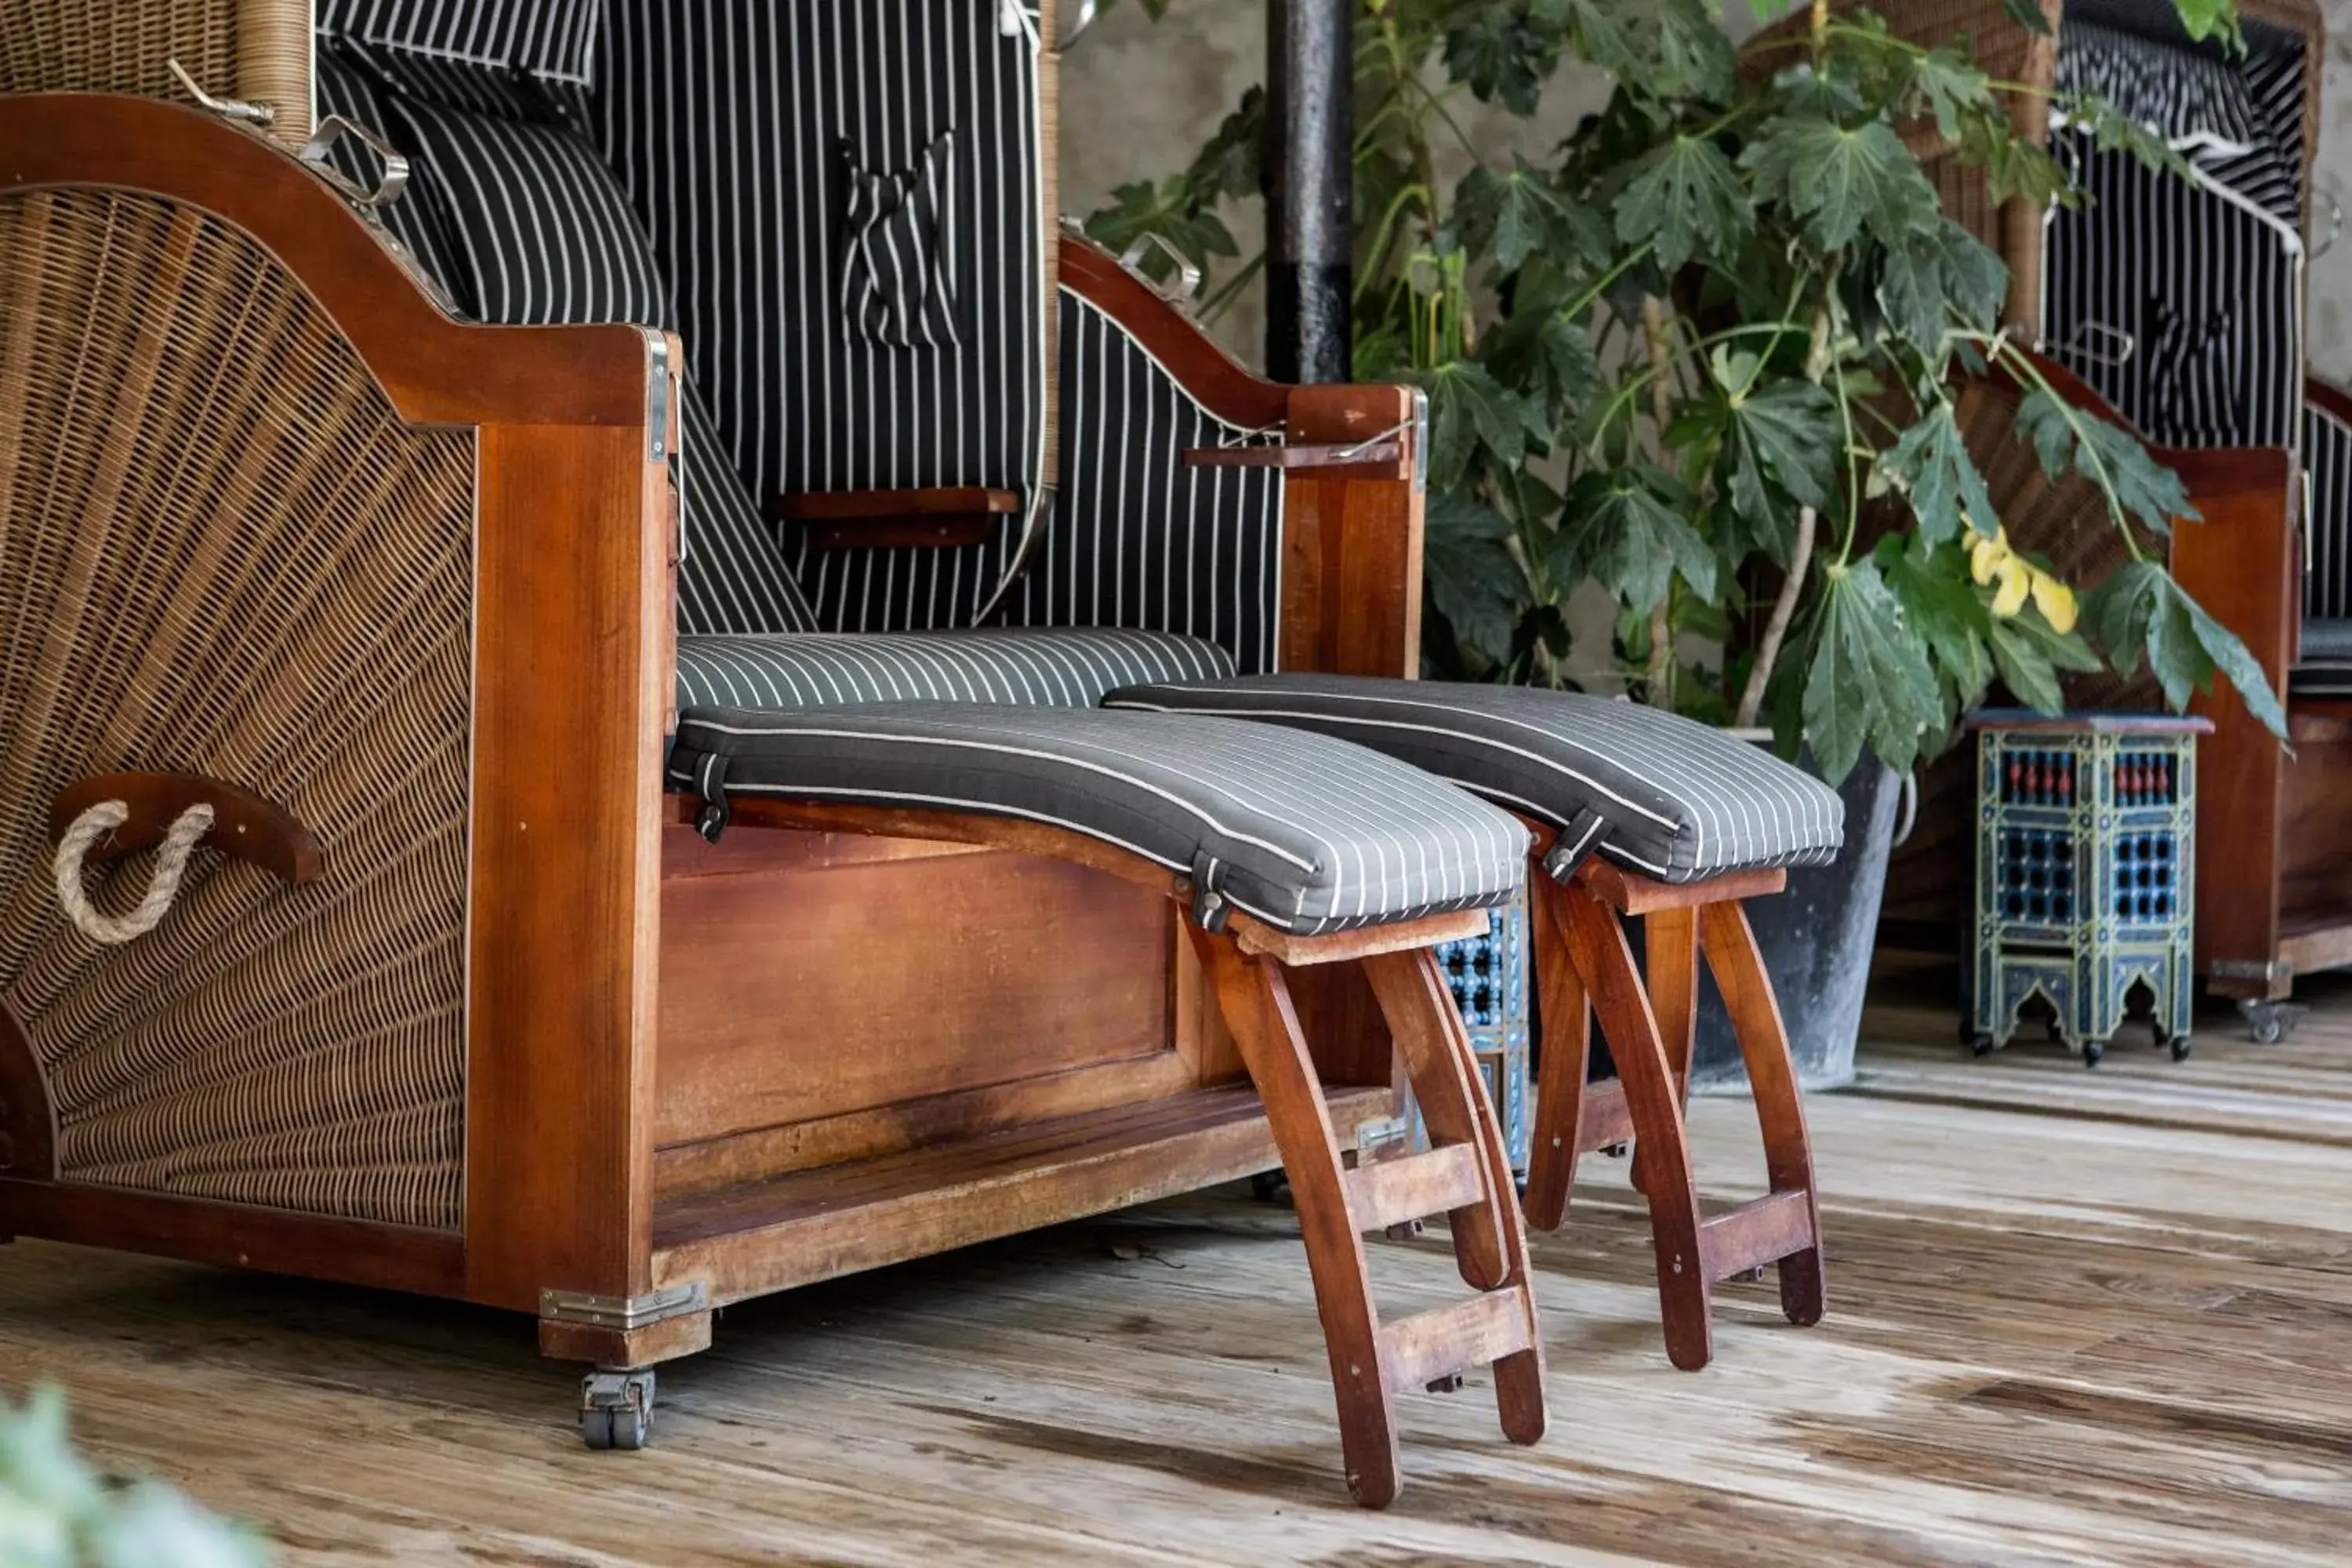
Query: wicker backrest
222	553
258	51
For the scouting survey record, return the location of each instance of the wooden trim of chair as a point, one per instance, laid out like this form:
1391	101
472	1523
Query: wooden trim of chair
1291	951
1205	371
238	1235
436	369
28	1124
1352	542
574	675
2328	398
1632	893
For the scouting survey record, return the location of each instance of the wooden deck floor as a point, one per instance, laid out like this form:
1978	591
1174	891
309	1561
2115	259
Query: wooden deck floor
2075	1318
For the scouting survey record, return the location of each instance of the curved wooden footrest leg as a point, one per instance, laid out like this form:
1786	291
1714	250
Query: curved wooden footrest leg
1464	1176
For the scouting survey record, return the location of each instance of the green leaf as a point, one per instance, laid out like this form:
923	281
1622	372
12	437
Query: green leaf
1518	214
1839	182
1869	683
1472	578
2140	610
2203	18
1946	84
1493	48
1941	277
2132	482
2028	15
1668	48
1794	429
1629	531
1945	610
1684	199
1929	463
1549	353
1468	410
1139	208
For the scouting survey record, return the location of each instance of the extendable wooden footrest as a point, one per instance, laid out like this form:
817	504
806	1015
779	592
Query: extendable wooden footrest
1465	1175
1585	968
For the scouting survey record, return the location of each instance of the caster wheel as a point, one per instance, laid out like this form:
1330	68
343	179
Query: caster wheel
616	1409
1980	1044
2270	1022
2180	1046
2093	1052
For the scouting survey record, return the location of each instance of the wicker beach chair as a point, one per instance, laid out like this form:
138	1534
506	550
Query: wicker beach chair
330	508
2175	308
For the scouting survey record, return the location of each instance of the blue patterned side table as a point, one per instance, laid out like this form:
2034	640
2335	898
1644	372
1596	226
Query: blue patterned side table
2086	852
1489	978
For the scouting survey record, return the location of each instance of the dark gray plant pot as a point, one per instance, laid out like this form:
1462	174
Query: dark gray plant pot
1816	939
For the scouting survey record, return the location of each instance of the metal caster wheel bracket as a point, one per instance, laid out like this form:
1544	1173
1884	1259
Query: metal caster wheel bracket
616	1409
2270	1022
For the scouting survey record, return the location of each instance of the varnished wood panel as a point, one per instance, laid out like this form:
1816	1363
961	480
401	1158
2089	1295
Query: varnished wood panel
572	680
28	1132
1352	548
793	995
2316	845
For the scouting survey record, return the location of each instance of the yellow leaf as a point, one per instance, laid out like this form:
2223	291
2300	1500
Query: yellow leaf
2056	600
2016	581
1985	559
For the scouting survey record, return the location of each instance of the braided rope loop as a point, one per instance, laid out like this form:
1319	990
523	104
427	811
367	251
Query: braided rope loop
170	865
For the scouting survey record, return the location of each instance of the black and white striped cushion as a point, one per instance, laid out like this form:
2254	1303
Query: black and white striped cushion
1306	833
1138	539
1012	668
724	123
1673	799
343	86
553	38
543	233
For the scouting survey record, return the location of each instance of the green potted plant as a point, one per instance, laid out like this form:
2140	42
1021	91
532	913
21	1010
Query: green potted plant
1704	357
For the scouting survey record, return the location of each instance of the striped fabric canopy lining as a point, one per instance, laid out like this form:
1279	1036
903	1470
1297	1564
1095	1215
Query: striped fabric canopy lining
2201	282
1308	834
725	123
2328	464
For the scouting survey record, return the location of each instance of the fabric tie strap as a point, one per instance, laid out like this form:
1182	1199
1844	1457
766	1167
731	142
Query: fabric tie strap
170	865
1575	845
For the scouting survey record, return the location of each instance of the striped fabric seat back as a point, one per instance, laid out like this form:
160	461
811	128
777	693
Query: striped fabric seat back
744	134
2181	299
1138	539
2327	469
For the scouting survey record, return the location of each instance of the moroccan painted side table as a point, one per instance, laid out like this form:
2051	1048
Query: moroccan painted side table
1488	976
2086	849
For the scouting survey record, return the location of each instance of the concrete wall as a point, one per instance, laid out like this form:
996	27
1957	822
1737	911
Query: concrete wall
1138	98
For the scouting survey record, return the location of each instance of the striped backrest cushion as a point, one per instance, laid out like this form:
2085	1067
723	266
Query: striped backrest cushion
726	124
345	87
542	232
553	38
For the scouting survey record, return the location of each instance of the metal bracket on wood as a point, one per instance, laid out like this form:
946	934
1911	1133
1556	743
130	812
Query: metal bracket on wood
624	1313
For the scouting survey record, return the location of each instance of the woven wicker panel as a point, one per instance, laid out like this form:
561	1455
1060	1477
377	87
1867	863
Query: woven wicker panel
221	552
257	49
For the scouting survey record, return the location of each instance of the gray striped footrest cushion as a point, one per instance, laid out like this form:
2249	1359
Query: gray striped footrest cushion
1015	667
1658	794
1308	834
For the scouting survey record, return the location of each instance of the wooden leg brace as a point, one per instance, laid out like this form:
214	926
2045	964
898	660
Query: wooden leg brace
1465	1175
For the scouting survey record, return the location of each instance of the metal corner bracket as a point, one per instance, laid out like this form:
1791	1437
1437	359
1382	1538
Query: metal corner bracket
624	1313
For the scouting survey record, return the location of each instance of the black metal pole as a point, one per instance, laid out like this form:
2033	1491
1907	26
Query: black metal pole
1310	188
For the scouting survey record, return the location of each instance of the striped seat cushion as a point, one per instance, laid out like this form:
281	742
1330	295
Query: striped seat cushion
1650	790
1306	833
1013	667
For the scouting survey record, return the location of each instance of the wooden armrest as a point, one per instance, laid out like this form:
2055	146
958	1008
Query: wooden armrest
896	519
1380	458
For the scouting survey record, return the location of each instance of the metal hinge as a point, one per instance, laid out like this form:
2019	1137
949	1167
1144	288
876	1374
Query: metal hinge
624	1313
657	399
1377	1140
2248	969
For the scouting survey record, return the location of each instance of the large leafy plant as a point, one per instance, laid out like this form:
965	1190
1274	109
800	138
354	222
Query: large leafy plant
1706	355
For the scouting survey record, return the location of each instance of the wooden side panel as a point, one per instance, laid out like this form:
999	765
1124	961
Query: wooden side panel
797	993
28	1133
2240	564
1352	548
572	679
2316	847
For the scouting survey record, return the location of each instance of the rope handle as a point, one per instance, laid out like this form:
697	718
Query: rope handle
170	865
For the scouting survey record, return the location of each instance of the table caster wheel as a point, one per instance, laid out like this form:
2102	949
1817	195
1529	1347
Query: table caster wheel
616	1409
2180	1046
1980	1044
2093	1052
